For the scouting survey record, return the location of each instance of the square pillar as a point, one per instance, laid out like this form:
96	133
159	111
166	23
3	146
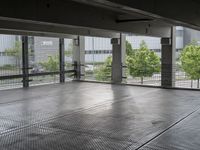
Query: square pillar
118	58
25	61
62	59
168	60
79	56
123	53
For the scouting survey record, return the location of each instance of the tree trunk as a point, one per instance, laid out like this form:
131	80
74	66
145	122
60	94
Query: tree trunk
198	83
19	65
16	68
191	83
142	79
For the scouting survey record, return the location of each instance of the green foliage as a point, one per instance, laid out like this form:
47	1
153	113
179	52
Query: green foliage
143	62
52	64
129	49
7	67
103	72
16	51
190	60
68	52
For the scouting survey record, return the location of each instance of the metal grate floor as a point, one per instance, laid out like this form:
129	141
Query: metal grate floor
99	116
184	136
38	138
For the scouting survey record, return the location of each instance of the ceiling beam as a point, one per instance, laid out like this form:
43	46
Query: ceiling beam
35	28
56	14
176	12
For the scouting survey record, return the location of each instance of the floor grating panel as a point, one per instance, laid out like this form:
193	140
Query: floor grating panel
37	138
96	116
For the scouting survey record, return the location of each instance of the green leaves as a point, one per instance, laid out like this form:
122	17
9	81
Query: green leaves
103	72
143	63
190	60
129	49
52	64
16	50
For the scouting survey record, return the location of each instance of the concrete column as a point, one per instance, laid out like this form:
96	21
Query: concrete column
79	56
123	52
168	60
25	61
118	58
62	59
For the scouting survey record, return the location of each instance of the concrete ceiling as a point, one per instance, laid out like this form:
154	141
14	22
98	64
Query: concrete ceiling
176	12
86	17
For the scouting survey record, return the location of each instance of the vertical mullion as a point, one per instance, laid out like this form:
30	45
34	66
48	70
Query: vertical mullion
62	60
25	62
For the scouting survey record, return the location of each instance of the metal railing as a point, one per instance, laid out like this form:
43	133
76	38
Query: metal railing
11	81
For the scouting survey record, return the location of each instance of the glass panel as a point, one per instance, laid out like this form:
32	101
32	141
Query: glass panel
69	59
43	57
10	60
98	58
187	58
143	60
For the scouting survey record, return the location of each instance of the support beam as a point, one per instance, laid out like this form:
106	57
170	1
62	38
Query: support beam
25	61
118	58
187	14
79	56
47	16
34	28
62	59
168	59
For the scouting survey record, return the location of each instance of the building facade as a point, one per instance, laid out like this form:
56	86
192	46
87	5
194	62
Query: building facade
96	49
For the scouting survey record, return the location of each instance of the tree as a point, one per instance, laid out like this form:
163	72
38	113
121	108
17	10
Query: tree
69	56
16	51
103	73
129	50
143	62
51	64
190	61
69	51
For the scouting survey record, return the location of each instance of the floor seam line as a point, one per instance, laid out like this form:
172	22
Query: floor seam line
168	128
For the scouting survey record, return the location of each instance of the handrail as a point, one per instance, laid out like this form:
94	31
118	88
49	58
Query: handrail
35	74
